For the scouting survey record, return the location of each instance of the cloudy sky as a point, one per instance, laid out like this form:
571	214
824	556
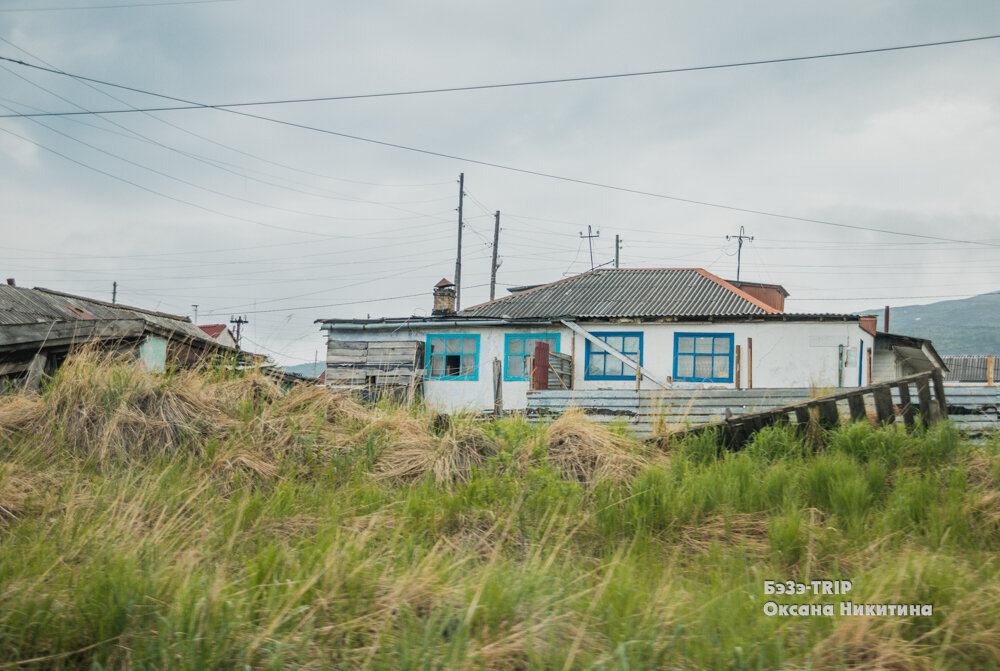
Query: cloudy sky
284	219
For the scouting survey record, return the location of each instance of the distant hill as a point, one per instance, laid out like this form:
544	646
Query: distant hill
306	369
965	326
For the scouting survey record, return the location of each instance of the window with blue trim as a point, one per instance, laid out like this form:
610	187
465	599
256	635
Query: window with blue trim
604	366
453	357
703	357
517	348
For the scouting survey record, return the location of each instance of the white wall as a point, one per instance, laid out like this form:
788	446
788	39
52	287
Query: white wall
785	354
468	394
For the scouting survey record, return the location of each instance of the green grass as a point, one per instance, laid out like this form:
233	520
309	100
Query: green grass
206	521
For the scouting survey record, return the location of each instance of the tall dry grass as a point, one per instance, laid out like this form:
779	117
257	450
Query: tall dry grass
213	521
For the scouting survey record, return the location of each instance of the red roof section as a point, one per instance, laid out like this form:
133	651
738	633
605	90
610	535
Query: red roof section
213	330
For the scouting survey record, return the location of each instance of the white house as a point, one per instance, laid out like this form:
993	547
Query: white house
684	327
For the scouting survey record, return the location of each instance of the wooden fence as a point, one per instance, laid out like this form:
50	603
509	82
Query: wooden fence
654	412
375	368
549	370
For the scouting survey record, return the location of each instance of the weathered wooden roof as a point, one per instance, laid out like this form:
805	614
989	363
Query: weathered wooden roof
628	292
21	308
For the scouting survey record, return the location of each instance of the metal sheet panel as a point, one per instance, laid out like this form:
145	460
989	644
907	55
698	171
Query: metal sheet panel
39	306
971	368
626	292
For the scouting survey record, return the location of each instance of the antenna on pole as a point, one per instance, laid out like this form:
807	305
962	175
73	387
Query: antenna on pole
194	308
114	292
590	243
618	248
739	248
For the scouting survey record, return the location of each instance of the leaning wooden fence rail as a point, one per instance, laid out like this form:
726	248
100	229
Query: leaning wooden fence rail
735	431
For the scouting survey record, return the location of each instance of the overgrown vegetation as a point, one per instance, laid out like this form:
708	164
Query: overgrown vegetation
206	520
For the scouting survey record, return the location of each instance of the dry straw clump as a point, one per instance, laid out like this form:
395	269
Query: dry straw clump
745	531
586	451
857	644
448	456
23	491
278	422
109	406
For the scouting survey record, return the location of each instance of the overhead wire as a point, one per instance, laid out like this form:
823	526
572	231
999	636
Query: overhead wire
481	87
539	173
227	195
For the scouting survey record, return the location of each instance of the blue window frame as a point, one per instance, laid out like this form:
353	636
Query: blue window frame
703	357
602	366
518	347
453	357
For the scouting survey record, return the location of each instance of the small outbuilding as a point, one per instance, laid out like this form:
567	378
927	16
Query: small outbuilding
38	328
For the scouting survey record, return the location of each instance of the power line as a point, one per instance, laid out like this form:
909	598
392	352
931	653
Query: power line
210	140
546	175
480	87
414	215
335	305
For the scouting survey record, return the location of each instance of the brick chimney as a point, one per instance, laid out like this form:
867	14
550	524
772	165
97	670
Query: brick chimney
10	282
444	298
868	323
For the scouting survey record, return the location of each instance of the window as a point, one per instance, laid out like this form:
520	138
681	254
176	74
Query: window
604	366
703	357
517	348
453	357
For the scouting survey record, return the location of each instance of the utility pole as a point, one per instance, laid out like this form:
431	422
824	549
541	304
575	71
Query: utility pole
114	292
458	256
239	321
618	248
590	242
493	268
739	248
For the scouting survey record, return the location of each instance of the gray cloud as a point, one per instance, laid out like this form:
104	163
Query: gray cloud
903	141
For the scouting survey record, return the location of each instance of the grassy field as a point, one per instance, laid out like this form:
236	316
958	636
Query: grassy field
196	521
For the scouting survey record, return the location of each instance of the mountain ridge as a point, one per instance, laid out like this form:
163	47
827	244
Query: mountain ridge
955	327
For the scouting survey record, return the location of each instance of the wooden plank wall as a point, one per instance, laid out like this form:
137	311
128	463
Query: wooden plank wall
973	409
384	364
560	371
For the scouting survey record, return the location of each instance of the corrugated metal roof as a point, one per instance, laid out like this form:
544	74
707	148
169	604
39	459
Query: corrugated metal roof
628	292
971	368
39	306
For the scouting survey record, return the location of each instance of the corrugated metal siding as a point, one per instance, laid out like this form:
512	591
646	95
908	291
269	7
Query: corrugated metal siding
971	368
972	409
38	306
618	293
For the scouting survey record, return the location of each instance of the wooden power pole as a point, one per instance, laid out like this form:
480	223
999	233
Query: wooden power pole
590	241
458	256
239	321
739	249
493	268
